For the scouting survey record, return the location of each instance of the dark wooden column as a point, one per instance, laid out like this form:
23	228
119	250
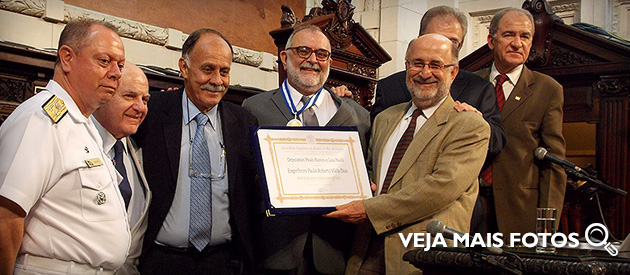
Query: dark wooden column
612	146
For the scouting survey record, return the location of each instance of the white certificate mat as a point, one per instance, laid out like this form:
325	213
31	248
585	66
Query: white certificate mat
305	168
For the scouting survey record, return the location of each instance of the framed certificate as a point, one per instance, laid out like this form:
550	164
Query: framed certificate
310	170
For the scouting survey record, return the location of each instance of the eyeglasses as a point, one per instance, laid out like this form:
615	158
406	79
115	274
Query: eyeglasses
305	52
456	42
433	66
222	165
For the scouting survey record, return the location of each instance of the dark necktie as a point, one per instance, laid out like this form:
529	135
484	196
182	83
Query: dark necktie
401	147
486	174
200	226
498	88
308	115
125	188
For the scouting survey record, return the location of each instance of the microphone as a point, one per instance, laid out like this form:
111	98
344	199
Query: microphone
436	226
574	170
542	154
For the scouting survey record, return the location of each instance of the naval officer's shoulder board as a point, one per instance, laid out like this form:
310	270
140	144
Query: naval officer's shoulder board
55	108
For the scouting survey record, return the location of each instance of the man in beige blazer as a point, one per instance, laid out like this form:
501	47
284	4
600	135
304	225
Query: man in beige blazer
115	121
532	117
436	178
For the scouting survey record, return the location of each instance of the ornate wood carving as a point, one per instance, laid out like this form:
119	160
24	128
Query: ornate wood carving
562	55
614	86
540	52
459	261
339	29
362	70
14	90
288	19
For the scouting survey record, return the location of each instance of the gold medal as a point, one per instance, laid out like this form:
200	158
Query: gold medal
101	198
294	123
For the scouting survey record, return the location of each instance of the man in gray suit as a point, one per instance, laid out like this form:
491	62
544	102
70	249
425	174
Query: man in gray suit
306	244
115	121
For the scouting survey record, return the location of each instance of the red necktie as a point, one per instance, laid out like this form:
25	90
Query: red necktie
498	88
401	147
486	174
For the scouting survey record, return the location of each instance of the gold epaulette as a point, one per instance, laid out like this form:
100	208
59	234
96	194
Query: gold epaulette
55	108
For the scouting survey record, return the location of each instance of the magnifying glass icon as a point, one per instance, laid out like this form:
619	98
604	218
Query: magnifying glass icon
599	228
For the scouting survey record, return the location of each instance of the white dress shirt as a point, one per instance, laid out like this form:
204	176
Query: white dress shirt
392	142
508	85
325	107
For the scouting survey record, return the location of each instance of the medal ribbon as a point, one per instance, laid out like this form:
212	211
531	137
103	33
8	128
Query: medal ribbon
289	101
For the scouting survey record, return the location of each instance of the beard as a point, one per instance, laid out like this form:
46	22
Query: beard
306	83
425	97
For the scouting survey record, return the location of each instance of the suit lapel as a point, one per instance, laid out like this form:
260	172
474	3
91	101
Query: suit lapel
429	130
137	162
278	101
232	142
383	133
172	117
520	94
344	112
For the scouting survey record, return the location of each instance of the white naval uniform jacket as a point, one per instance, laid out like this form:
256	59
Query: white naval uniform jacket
74	210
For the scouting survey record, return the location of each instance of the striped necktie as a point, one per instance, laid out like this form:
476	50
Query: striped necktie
486	174
401	147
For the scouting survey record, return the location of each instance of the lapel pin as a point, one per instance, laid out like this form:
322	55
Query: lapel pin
517	98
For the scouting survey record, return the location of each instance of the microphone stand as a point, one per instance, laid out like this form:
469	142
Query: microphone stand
593	182
477	255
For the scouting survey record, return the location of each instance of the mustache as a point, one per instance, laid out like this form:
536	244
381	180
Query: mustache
212	88
314	66
421	80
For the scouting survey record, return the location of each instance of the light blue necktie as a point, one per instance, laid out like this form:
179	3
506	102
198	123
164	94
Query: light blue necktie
200	226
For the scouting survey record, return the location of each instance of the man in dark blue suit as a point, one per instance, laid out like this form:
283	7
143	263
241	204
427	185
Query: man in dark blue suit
473	92
197	152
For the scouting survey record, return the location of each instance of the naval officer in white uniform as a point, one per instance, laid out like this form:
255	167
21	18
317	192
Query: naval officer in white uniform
61	211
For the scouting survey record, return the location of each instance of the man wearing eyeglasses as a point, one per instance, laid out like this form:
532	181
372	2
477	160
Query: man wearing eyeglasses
424	157
474	92
201	170
306	244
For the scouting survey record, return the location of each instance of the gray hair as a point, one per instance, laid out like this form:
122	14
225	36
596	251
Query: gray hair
301	28
444	11
494	24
